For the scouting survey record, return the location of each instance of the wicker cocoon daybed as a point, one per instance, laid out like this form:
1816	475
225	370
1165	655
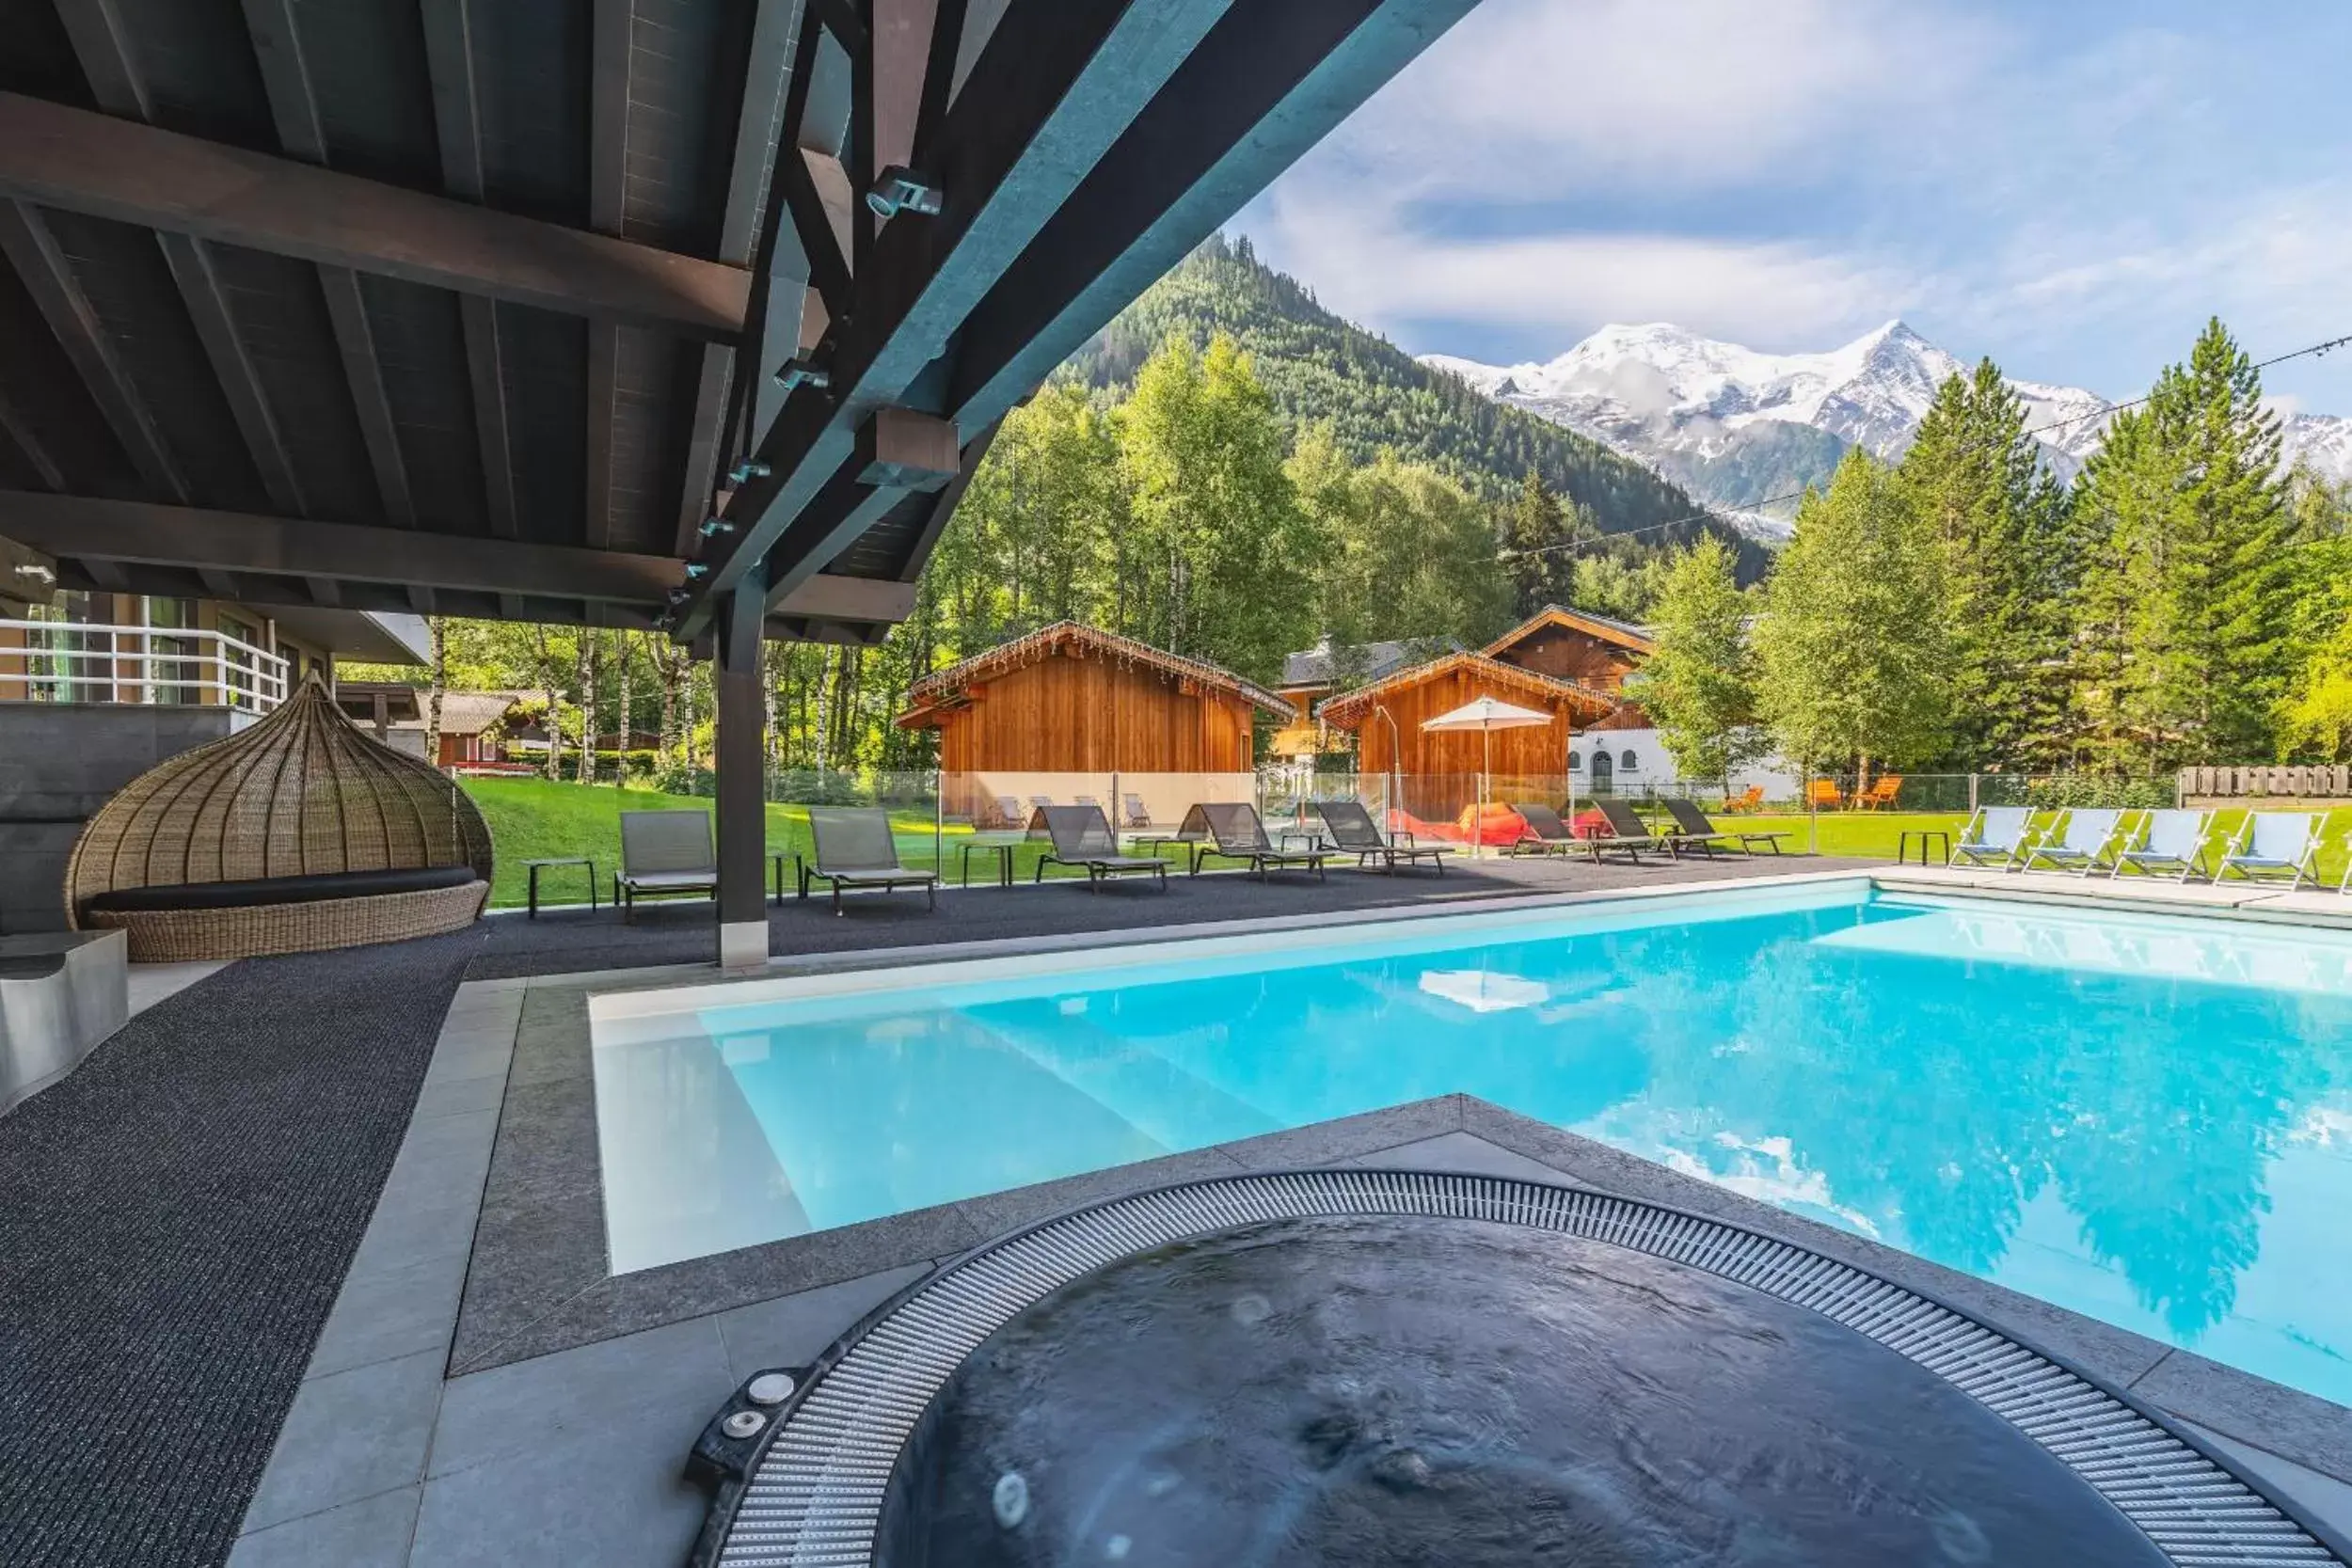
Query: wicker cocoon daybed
296	834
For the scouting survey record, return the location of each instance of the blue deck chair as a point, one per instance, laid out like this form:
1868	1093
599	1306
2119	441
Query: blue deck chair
2166	843
1995	833
2083	843
2273	843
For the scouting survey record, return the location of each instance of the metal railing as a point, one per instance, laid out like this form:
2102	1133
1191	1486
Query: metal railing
80	662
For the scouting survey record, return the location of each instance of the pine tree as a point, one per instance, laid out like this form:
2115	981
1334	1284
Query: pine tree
2188	602
1699	687
1978	487
1533	528
1852	655
2315	718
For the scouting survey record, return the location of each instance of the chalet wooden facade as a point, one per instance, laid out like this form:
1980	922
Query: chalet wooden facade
1061	712
1386	719
1575	645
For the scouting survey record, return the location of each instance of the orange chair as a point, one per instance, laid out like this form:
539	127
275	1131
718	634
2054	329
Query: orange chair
1824	795
1880	794
1752	799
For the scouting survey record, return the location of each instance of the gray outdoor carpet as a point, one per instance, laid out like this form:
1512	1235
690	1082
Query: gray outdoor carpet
175	1220
566	942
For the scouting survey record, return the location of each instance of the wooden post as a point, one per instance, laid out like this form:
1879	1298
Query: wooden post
743	805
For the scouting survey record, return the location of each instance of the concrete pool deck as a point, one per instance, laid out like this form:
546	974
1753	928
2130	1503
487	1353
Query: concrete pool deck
484	1393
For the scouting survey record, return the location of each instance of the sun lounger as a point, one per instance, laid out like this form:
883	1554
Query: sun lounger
1824	795
1693	827
1996	833
1750	799
2165	842
1231	831
1082	836
664	854
1010	813
1545	834
1038	804
2081	844
1138	815
854	850
1628	834
2273	843
1880	795
1354	832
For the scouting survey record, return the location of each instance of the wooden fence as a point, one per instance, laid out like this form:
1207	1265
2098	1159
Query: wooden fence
2318	783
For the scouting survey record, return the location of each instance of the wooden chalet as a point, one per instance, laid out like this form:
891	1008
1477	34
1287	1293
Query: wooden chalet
1575	645
1061	712
1386	719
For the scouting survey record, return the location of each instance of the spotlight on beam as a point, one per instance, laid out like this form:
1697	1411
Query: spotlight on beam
716	525
900	189
697	569
797	373
744	472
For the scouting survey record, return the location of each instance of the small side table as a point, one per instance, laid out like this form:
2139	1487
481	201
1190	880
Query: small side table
1000	848
1903	845
537	866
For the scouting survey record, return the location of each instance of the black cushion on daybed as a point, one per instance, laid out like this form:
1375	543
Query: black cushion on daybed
278	890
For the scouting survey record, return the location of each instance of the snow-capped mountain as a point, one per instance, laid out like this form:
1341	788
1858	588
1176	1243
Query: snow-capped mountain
1743	429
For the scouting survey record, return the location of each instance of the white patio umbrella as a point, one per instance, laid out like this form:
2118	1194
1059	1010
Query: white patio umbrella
1486	715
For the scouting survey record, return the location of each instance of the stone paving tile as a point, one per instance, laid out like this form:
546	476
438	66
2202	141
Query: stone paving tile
2281	1420
526	1405
391	1307
609	1495
372	1532
453	1097
350	1435
1328	1142
1462	1152
793	1331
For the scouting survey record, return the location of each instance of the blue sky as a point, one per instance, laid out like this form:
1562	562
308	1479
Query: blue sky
2072	188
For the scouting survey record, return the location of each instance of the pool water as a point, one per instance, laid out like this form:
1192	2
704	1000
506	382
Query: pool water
2144	1118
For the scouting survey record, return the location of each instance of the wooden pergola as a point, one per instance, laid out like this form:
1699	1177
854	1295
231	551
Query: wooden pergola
683	314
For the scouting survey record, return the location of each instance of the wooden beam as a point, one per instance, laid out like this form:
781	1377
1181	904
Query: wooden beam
101	45
49	277
1267	85
13	425
608	155
1058	83
759	115
325	591
191	264
293	109
189	539
57	156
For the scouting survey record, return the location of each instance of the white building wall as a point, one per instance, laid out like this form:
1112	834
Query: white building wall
1637	759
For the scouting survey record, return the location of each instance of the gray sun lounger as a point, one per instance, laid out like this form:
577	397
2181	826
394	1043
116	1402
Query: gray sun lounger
1354	832
1694	827
855	850
1082	836
1231	831
1628	832
1545	834
664	854
2081	844
1139	818
2168	842
2273	843
1996	833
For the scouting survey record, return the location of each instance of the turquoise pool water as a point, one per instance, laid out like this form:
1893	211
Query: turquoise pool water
2145	1119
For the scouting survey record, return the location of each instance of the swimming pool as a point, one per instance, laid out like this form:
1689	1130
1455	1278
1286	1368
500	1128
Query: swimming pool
2145	1118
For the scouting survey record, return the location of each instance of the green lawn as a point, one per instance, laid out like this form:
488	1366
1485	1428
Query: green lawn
533	819
1876	834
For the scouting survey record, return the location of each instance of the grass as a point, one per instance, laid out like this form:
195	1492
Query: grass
533	819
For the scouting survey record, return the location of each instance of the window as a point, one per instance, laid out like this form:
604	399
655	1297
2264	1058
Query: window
1576	762
1629	764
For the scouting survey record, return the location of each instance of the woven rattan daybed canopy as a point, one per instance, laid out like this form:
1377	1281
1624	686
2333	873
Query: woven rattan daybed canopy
296	834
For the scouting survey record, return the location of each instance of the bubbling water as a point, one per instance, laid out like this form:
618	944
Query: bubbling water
1385	1391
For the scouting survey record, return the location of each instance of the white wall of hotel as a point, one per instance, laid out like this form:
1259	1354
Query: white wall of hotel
1637	759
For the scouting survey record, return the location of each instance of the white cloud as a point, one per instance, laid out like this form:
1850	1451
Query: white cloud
1375	265
1536	98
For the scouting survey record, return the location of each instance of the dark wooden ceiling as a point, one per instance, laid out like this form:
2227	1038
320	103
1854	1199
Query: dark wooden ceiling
440	304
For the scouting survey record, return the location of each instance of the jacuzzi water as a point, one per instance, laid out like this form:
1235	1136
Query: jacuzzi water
2144	1118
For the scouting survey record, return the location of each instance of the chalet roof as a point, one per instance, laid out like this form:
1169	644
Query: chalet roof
1624	634
944	688
464	712
1353	707
1311	667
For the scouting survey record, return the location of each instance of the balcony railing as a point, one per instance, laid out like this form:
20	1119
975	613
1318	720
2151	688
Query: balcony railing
78	661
